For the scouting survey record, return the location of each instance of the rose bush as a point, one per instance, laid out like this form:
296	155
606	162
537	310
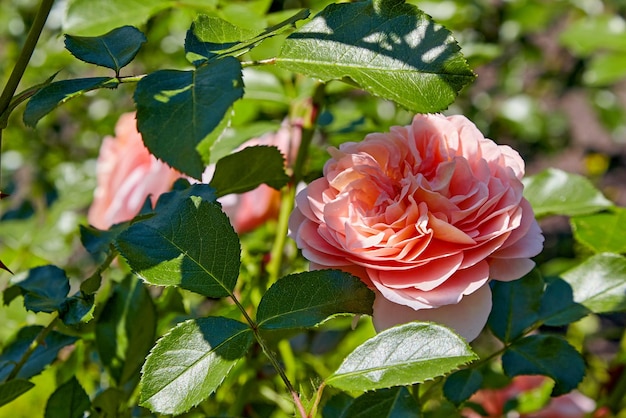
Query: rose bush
425	215
127	174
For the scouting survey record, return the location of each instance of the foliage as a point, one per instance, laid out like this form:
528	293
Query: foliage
173	312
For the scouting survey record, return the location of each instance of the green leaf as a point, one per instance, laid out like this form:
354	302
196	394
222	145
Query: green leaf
44	289
55	94
387	47
176	110
77	309
307	299
599	283
546	355
594	33
68	401
126	329
43	355
602	232
189	243
402	355
459	386
231	138
393	402
94	17
515	305
110	403
13	389
98	242
209	35
247	169
190	362
555	192
114	50
557	304
606	69
336	406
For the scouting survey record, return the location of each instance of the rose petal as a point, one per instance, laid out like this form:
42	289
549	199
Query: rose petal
467	317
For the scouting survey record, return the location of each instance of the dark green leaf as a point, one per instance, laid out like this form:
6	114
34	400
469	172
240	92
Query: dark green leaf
546	355
94	17
43	355
109	403
557	304
394	402
515	305
555	192
387	47
183	190
307	299
114	50
59	92
402	355
190	362
176	110
77	309
336	406
68	401
602	232
247	169
189	243
599	283
126	329
459	386
98	242
13	389
44	289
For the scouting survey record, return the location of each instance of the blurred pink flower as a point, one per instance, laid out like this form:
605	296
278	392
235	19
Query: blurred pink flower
571	405
127	174
425	215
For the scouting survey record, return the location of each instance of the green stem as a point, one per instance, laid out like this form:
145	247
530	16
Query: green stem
39	340
276	254
24	58
272	358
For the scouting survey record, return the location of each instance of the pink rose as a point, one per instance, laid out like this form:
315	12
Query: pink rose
425	215
493	401
127	174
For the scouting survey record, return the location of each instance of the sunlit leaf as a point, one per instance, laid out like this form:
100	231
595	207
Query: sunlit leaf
59	92
68	401
402	355
189	243
247	169
602	232
386	47
113	50
599	283
306	299
176	110
555	192
210	34
545	355
190	362
95	17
